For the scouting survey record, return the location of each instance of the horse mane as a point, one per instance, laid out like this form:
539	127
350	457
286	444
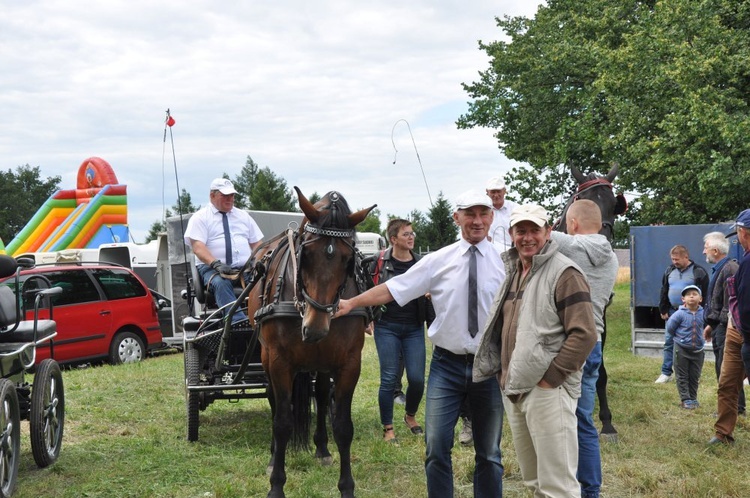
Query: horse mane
333	210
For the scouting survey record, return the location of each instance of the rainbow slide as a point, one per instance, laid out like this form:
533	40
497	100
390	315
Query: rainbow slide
93	214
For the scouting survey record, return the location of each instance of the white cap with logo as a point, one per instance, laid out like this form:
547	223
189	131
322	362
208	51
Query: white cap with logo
223	185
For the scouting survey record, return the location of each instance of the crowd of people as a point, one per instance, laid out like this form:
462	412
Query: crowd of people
515	313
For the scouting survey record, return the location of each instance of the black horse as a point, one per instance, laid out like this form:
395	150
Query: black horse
306	272
599	190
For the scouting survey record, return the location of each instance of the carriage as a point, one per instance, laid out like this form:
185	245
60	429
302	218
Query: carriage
41	403
222	361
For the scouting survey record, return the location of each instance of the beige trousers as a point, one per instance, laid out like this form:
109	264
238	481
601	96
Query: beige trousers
545	435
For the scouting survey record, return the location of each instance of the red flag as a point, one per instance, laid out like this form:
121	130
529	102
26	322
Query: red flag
170	121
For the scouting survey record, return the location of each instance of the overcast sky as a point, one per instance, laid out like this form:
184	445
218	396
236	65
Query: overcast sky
312	90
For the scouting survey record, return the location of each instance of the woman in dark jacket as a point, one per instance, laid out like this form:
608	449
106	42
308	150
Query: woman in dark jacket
399	332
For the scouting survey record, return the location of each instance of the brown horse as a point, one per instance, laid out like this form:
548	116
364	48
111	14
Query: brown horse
307	271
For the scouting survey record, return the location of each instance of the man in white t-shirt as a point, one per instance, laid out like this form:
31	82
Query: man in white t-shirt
499	233
222	238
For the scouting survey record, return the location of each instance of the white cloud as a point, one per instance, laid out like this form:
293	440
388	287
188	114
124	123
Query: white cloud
311	90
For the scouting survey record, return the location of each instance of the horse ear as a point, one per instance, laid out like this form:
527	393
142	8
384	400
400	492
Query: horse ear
613	172
356	218
306	206
576	173
621	204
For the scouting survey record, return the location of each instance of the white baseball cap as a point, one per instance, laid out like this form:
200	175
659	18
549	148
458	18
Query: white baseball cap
223	185
473	198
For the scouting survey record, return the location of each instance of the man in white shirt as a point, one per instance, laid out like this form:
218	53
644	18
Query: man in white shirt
499	233
456	332
222	238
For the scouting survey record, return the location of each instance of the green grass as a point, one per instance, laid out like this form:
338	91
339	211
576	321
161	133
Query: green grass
125	437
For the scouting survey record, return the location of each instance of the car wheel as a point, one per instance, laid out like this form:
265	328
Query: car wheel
10	437
126	347
47	413
192	399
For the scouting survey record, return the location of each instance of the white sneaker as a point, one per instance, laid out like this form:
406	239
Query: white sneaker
663	379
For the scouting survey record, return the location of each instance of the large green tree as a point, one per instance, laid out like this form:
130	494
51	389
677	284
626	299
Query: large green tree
661	87
21	194
436	229
261	189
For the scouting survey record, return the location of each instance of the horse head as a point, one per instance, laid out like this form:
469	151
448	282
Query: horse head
598	189
325	260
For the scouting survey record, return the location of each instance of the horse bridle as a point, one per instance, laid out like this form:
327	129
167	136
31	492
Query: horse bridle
585	187
300	292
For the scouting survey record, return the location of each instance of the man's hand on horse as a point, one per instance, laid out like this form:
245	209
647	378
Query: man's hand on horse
344	308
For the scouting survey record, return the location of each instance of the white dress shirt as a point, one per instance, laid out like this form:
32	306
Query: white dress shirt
207	226
500	226
445	275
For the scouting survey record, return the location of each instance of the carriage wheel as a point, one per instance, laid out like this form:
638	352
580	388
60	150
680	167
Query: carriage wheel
10	437
47	413
192	399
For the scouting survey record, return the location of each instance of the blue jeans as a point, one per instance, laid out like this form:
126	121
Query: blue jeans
589	458
394	341
448	384
222	288
668	353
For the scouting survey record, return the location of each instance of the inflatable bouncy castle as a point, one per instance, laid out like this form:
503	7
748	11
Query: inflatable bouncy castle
92	214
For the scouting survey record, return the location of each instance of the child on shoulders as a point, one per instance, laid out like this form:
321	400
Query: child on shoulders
686	326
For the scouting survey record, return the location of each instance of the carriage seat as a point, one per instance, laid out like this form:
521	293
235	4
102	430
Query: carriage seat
206	296
24	332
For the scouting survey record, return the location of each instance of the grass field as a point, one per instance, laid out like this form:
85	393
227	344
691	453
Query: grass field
125	437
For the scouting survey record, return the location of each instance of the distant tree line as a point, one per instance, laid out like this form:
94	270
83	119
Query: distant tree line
260	189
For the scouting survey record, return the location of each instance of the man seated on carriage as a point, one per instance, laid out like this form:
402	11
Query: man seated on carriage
222	238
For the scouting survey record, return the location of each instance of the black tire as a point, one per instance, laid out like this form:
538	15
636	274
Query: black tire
10	437
126	347
47	418
192	399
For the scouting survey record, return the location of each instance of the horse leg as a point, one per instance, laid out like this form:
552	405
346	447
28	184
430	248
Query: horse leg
320	437
343	428
282	429
608	432
272	404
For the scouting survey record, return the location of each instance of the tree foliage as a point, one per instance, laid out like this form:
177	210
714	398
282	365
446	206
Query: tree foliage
184	205
22	192
436	229
371	223
662	87
261	189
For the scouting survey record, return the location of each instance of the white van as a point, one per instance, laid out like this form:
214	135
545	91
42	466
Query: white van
370	243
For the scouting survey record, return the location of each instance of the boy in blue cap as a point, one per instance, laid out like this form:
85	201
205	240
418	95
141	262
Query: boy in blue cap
686	326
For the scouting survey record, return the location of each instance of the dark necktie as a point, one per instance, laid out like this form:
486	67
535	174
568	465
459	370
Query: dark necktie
473	320
227	238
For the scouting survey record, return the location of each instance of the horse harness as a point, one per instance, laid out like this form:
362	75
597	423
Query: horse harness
293	242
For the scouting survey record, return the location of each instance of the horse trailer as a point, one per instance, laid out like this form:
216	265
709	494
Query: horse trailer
649	259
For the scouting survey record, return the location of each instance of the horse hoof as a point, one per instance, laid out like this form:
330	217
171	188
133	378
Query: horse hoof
608	438
326	461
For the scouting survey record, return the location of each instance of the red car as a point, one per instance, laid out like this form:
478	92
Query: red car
104	312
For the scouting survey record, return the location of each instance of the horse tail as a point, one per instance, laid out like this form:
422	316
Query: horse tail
301	413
